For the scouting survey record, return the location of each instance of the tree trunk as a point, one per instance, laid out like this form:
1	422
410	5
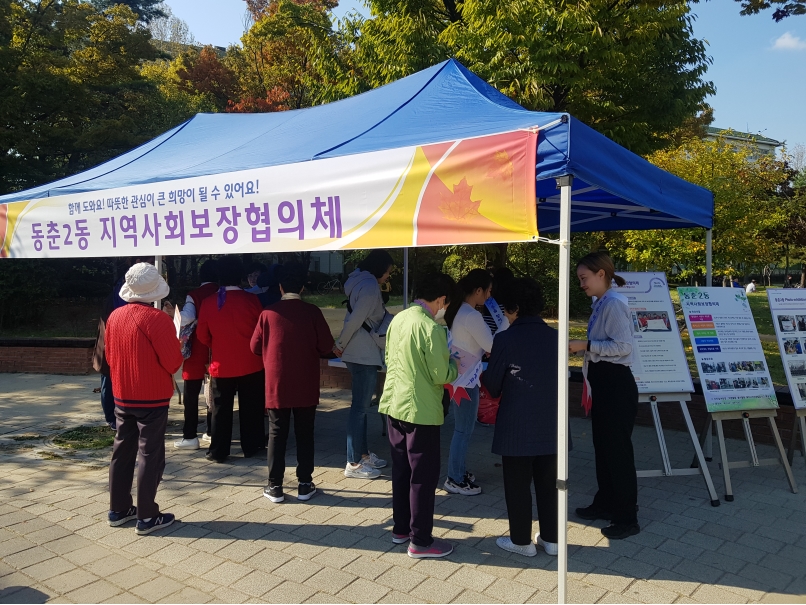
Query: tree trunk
803	275
500	259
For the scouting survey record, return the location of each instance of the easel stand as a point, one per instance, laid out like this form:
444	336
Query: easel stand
800	424
745	417
667	470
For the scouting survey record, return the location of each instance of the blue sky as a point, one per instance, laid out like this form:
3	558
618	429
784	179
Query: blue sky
759	66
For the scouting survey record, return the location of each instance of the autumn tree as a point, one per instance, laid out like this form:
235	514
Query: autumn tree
289	57
750	211
204	73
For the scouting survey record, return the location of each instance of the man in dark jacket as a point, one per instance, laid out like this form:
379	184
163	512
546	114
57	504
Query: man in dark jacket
523	371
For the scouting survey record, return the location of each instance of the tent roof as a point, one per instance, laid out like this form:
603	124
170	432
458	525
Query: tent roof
613	188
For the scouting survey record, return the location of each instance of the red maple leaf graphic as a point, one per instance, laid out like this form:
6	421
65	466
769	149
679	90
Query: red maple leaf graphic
457	206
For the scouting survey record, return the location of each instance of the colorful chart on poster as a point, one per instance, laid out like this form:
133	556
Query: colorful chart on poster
659	364
730	360
788	309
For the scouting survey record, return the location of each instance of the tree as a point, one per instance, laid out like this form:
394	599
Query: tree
204	73
289	58
170	34
631	70
146	10
71	94
751	210
784	8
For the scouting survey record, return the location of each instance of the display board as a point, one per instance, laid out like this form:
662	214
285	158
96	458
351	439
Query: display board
730	360
788	309
659	361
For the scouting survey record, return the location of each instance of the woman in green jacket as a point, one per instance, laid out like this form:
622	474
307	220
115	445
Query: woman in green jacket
418	364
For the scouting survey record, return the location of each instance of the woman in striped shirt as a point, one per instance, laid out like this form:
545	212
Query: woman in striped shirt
613	397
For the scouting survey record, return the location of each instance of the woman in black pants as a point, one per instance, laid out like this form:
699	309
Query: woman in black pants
523	371
613	397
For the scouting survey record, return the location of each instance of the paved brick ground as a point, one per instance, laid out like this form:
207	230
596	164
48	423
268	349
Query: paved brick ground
233	545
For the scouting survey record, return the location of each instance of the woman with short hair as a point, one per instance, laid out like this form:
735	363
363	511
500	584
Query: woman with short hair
227	321
523	371
418	364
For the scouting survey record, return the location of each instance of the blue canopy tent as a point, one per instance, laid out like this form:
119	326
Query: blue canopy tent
602	186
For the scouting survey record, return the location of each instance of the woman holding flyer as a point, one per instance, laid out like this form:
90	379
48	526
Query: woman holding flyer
611	395
470	340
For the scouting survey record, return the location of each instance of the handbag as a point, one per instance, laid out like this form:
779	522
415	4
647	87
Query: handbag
186	338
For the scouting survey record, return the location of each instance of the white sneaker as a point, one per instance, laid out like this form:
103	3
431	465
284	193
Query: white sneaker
373	461
551	548
187	444
205	439
361	471
527	550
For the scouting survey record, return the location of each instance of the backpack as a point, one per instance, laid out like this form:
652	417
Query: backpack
378	334
186	338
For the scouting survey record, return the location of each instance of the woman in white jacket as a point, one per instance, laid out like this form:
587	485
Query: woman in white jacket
357	349
470	339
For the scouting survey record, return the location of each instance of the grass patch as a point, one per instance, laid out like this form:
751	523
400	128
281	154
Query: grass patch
49	456
334	299
86	438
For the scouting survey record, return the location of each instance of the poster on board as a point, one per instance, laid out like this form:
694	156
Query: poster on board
730	360
788	309
659	361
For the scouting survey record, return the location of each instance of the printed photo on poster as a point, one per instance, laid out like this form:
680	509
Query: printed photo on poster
651	321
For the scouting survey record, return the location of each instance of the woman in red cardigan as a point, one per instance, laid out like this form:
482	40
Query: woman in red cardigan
292	336
226	323
143	354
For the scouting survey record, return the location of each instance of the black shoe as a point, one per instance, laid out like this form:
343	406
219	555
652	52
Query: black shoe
259	452
619	531
212	458
305	491
274	493
593	512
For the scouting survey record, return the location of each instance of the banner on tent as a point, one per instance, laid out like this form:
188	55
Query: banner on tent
659	362
788	308
466	191
728	352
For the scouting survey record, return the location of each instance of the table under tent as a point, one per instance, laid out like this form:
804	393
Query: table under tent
436	158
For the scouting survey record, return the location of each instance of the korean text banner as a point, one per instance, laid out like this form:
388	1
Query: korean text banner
730	360
475	190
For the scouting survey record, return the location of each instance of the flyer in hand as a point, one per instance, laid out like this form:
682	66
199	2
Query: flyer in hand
727	349
788	309
659	362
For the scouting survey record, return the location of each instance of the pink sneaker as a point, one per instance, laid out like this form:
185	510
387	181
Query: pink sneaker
438	548
400	538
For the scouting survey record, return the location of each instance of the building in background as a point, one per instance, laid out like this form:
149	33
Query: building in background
328	262
763	145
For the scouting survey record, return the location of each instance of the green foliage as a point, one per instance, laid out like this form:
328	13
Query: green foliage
751	210
146	10
71	91
631	70
783	8
26	288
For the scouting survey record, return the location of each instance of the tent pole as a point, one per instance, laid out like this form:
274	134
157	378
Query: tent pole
564	184
158	265
709	256
405	278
